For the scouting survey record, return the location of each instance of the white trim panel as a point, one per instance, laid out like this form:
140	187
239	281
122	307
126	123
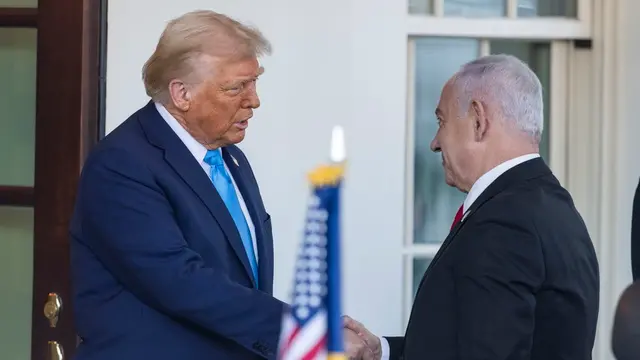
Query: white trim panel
410	145
548	28
558	109
421	250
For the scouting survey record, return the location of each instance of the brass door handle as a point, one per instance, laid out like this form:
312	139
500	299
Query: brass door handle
55	351
52	308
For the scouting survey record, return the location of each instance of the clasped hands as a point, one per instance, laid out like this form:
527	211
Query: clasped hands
360	343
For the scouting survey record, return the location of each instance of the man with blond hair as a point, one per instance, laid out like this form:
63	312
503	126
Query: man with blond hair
171	244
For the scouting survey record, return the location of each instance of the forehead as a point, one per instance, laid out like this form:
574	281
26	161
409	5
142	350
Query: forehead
447	95
230	70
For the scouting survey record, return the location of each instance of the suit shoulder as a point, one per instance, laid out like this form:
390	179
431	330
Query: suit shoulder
128	137
117	155
543	202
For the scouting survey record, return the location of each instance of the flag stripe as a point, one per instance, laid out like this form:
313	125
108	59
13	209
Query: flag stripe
314	330
316	350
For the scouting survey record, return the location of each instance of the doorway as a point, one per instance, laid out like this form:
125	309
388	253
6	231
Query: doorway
49	120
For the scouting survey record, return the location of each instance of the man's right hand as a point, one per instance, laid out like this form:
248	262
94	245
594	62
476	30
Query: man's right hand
372	342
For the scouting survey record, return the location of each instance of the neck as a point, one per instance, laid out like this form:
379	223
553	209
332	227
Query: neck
498	156
197	135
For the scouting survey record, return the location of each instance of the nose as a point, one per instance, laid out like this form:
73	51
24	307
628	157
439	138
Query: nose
435	145
252	101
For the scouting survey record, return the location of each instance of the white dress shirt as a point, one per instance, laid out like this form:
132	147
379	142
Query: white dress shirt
476	190
199	151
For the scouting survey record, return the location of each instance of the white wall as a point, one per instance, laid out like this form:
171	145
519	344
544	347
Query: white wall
334	62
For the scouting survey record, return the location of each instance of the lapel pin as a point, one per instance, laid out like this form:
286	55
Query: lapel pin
235	161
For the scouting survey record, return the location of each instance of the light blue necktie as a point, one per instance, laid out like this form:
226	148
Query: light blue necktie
222	182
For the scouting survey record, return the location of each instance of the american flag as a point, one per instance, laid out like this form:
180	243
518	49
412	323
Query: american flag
312	328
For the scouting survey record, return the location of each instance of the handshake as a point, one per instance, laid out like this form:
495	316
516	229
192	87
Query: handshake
360	343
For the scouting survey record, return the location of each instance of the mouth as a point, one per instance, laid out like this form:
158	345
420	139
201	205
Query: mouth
242	124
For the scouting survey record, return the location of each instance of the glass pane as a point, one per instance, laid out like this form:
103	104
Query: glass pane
18	104
420	6
529	8
538	56
435	202
16	279
420	266
19	3
475	8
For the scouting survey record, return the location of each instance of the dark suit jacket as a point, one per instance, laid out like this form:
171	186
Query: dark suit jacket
635	235
518	279
159	269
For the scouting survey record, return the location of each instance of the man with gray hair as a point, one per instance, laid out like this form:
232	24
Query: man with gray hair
171	244
517	277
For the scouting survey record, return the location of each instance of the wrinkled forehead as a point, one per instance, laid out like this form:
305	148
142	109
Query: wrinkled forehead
231	69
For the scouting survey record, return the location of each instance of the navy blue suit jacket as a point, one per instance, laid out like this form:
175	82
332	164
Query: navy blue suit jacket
159	269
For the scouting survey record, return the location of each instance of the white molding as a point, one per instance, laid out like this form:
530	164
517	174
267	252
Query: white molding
547	28
485	47
558	109
438	8
583	141
585	12
604	96
410	146
407	294
422	250
512	9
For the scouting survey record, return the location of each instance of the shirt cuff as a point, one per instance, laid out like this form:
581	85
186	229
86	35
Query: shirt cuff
384	346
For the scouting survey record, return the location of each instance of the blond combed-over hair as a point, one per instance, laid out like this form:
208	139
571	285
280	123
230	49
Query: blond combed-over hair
186	38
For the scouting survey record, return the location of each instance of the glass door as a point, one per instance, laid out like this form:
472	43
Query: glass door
18	47
48	122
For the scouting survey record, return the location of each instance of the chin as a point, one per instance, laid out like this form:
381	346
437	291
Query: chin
237	138
450	182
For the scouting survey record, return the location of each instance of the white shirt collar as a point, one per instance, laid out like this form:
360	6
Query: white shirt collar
198	150
490	176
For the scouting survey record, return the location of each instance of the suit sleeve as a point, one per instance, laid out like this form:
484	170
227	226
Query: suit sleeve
395	347
129	225
495	287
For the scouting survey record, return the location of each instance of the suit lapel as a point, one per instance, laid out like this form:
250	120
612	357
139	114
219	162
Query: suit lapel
187	167
240	177
443	248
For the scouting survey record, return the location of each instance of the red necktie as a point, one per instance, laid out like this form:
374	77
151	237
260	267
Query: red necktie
458	217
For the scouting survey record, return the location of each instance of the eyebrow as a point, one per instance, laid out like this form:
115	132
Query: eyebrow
438	112
245	79
258	73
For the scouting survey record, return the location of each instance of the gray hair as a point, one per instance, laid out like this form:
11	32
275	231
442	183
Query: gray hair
191	35
508	83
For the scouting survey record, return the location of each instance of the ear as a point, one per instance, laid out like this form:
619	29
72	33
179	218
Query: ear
180	95
480	120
